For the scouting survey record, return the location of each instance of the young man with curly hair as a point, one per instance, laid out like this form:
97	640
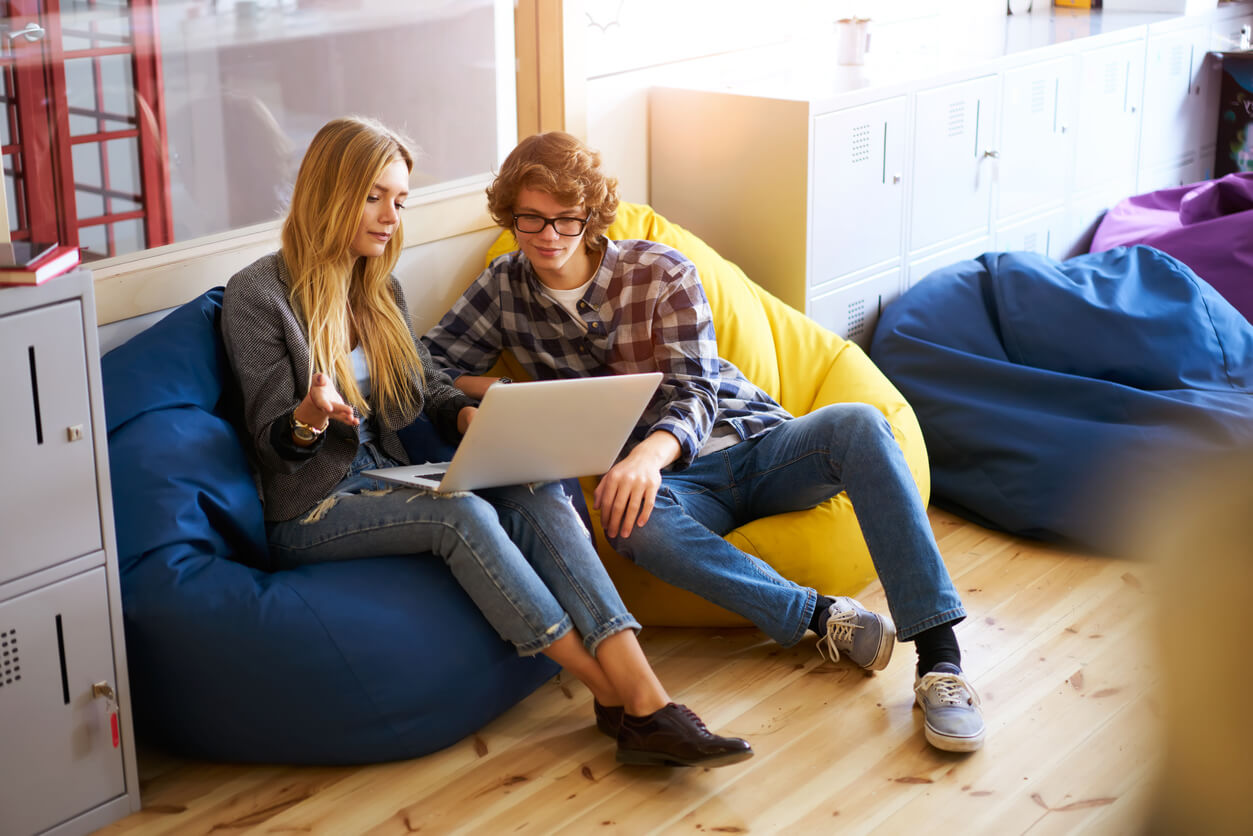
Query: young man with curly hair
712	451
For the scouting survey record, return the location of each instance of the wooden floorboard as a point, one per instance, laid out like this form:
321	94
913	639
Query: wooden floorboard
1057	642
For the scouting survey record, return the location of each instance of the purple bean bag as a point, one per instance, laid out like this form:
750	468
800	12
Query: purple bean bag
1208	226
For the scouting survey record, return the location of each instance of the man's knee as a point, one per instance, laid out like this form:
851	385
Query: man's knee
853	418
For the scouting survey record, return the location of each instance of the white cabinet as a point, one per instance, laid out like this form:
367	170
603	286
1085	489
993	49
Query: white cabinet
802	198
66	735
838	196
1037	136
852	310
954	160
920	268
1180	106
736	170
1107	130
1045	234
858	193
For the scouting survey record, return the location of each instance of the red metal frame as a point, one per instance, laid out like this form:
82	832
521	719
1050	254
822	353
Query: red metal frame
42	151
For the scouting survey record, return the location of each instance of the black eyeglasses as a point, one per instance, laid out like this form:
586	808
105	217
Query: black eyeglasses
569	227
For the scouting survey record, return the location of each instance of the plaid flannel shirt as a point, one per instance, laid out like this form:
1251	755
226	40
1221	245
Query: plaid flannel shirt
645	310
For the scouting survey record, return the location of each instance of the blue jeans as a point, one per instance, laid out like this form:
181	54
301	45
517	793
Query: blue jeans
795	466
521	552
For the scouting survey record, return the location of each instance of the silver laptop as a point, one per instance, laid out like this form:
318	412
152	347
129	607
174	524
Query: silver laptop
538	432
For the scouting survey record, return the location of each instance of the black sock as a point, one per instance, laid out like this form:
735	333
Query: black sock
818	621
939	644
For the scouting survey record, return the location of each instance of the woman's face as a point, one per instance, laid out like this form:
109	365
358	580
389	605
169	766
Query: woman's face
380	218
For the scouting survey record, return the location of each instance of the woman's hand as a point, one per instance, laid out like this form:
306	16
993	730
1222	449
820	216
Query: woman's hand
626	493
464	417
323	404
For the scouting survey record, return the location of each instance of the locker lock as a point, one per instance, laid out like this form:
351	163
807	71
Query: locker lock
74	433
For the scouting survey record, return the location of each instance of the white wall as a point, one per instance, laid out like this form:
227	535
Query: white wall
635	44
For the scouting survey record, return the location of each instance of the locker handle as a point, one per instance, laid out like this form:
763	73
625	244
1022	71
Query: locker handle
34	395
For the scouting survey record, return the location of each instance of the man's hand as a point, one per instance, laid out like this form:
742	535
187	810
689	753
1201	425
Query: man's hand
464	417
626	493
475	386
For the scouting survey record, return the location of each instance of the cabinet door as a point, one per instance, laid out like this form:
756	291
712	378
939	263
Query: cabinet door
1037	115
1171	129
1107	130
48	508
57	740
857	189
920	268
954	162
1044	234
852	311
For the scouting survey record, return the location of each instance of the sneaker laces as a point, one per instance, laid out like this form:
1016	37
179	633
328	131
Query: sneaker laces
839	631
949	689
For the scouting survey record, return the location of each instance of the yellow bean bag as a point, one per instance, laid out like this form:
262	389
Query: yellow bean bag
803	366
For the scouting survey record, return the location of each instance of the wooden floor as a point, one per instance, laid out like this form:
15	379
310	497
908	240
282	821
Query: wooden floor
1059	645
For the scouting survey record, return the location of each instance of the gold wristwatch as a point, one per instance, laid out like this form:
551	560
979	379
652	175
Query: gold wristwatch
302	432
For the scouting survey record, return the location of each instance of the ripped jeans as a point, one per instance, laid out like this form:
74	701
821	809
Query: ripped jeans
520	552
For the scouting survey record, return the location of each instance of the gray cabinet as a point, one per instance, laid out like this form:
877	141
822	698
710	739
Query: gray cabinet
66	734
44	376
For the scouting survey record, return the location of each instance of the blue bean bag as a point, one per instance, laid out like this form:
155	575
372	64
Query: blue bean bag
351	662
1047	391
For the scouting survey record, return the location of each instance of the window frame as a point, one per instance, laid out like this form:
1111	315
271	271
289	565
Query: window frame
547	69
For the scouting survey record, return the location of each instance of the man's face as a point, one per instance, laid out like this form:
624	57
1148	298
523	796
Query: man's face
548	251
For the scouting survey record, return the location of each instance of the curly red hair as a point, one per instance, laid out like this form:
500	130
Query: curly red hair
562	166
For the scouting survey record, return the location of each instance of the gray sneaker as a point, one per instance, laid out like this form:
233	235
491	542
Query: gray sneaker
950	706
864	637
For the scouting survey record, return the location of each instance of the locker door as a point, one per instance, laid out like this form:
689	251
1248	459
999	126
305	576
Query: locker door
49	461
858	192
954	162
1037	129
1174	107
1108	127
54	645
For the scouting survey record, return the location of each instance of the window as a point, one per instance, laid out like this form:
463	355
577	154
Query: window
135	124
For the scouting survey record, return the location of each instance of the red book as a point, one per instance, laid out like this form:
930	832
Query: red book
58	261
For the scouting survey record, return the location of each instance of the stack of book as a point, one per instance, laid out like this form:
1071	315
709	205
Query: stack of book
31	262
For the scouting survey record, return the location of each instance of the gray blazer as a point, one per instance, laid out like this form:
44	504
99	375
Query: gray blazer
268	349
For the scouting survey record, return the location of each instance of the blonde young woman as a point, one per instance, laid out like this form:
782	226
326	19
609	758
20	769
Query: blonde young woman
319	338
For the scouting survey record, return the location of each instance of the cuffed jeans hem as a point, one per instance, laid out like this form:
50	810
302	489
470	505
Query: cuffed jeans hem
615	625
904	634
541	643
807	614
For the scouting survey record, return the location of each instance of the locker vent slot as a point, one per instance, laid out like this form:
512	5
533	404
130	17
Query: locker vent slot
861	144
1111	79
1039	96
1029	242
957	117
10	662
34	395
1177	60
856	319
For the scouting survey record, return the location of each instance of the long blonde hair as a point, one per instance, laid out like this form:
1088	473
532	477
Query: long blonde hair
333	289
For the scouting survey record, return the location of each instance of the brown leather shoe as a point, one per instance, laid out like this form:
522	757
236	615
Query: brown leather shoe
608	718
675	736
